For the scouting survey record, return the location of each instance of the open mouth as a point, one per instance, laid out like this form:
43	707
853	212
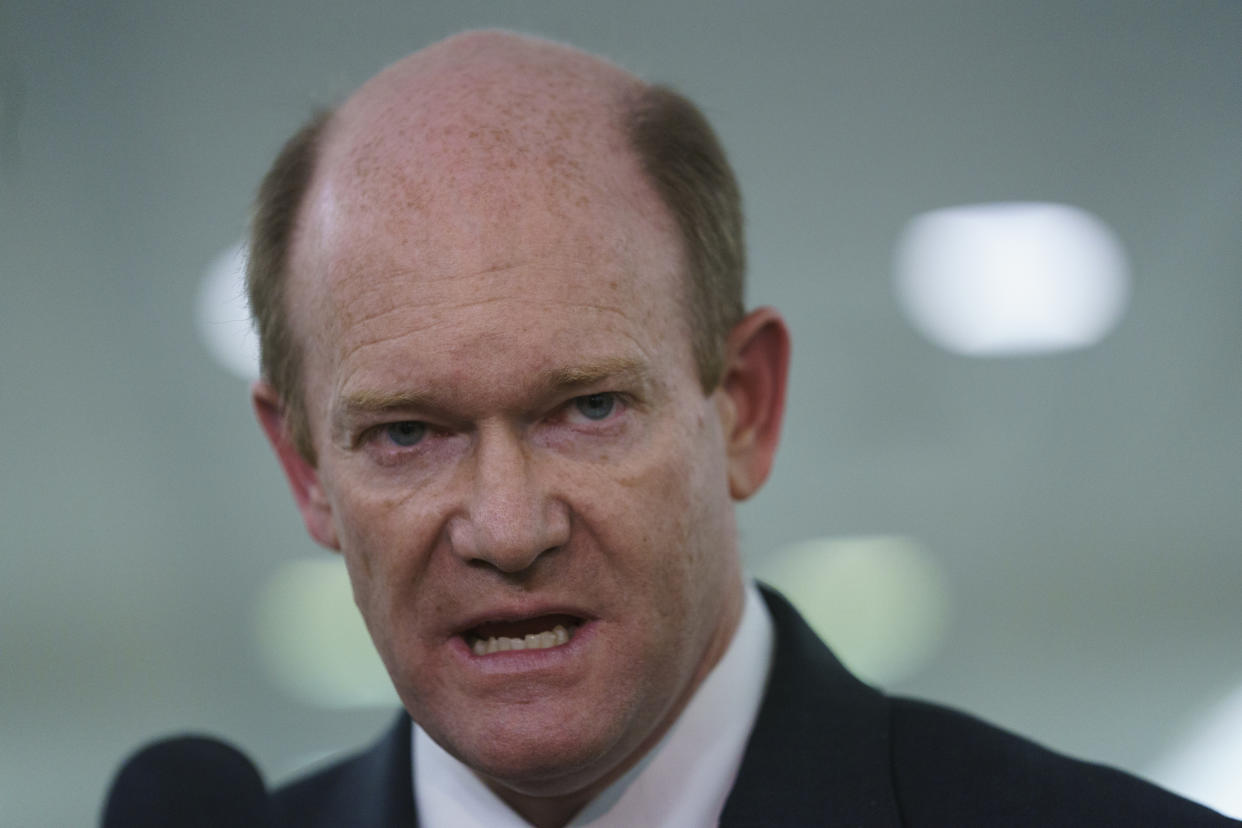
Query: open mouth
539	633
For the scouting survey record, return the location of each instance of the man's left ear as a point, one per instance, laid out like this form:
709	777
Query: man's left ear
752	393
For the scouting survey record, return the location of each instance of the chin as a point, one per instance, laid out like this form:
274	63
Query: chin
541	755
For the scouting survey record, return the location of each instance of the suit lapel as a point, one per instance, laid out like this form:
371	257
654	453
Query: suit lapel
819	752
385	782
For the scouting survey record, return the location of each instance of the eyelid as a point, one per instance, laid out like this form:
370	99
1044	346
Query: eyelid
616	395
368	433
421	430
621	401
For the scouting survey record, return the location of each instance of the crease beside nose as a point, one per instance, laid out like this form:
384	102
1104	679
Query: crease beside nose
509	520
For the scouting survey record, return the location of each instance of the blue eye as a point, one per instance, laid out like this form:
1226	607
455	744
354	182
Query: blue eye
596	406
406	433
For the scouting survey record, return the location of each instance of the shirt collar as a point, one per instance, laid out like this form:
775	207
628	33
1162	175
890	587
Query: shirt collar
683	781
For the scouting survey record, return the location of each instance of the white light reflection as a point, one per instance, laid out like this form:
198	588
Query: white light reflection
222	315
312	640
1206	765
881	603
1011	278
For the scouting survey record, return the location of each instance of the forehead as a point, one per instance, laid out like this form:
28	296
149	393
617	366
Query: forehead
510	184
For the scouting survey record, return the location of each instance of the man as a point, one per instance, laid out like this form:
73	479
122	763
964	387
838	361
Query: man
509	378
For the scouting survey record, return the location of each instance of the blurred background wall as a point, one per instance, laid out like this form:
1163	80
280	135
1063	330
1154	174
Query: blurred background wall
1046	531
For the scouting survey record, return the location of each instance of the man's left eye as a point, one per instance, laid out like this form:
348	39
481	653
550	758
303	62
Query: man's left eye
406	433
596	406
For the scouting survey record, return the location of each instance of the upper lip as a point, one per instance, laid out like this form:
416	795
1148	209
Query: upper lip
518	612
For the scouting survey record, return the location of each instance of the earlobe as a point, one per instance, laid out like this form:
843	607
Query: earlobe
756	367
301	473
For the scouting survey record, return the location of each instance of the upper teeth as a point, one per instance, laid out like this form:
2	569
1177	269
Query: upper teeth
555	637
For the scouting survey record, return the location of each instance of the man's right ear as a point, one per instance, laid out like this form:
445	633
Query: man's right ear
302	475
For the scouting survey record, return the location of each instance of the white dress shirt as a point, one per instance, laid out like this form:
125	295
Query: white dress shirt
682	783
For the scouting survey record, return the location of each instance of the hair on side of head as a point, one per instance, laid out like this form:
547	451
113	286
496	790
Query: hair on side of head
681	154
272	227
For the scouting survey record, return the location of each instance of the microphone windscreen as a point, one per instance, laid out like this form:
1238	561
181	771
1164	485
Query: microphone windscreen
188	782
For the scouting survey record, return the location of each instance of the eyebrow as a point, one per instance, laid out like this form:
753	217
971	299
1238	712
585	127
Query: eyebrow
377	402
368	403
615	368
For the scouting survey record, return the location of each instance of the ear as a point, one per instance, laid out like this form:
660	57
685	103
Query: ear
301	473
753	395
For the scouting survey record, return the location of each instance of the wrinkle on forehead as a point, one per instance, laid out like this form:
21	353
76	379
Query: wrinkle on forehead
395	294
417	320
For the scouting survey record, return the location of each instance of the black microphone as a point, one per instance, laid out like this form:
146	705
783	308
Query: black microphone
188	782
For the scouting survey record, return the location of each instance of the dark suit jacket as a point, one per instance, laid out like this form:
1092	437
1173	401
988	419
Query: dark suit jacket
826	750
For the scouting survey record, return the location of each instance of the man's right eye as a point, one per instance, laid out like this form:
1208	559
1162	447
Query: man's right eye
405	433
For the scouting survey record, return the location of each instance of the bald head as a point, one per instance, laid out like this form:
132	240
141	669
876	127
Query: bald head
458	117
478	127
483	129
491	92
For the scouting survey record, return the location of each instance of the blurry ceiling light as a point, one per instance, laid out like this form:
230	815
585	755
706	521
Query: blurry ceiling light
1206	764
312	640
1011	278
223	316
881	603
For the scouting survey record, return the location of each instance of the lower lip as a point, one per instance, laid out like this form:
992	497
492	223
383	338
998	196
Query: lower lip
518	661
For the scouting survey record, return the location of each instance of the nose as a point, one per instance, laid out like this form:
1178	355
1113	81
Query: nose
508	520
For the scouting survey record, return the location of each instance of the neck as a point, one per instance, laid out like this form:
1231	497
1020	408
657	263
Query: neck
545	811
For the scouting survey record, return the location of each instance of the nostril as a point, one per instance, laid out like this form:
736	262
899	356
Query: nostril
512	565
508	524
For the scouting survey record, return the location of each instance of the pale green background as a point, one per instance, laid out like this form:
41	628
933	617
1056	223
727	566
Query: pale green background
1085	508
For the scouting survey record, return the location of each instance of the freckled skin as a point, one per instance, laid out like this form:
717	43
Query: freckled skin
476	222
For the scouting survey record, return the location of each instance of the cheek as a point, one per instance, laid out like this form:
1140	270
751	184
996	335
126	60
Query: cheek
675	509
704	530
384	553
